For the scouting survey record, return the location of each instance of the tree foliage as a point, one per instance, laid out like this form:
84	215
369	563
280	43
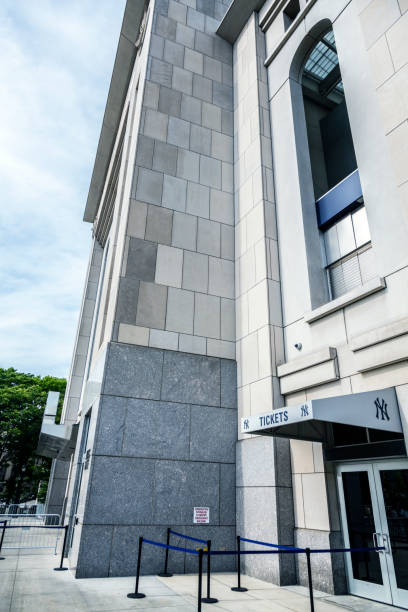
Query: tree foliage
22	402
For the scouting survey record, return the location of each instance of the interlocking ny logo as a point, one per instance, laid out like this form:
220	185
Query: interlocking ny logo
381	413
304	411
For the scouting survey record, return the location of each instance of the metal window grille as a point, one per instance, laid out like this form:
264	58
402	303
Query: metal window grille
351	271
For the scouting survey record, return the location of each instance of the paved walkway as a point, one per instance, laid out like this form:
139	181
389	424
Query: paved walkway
28	583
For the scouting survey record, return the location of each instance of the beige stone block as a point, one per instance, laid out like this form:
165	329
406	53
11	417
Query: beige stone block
133	334
249	358
258	306
247	271
242	316
301	454
393	99
169	266
385	306
298	501
311	377
398	144
255	225
381	378
333	502
261	396
221	348
244	402
293	399
318	457
265	352
398	42
164	339
260	261
377	17
383	354
346	360
137	219
315	502
332	389
402	397
403	5
308	360
403	191
381	63
380	334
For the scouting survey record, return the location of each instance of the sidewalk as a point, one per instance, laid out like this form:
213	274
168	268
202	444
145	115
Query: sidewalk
28	583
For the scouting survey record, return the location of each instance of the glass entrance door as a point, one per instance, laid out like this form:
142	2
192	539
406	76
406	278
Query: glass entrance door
374	510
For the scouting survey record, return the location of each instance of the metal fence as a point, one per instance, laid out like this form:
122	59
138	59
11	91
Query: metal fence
27	531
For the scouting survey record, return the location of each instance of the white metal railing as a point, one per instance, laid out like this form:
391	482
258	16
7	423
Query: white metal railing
27	531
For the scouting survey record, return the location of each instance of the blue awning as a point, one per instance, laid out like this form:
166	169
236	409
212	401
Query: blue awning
339	199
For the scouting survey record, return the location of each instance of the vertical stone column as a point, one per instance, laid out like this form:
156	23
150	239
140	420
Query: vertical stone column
60	469
264	494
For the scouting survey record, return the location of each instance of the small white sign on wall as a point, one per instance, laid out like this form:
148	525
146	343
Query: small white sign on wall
201	515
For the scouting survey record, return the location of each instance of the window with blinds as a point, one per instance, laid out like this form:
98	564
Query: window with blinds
349	256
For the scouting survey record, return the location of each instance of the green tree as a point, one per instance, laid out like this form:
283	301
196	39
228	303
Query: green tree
22	402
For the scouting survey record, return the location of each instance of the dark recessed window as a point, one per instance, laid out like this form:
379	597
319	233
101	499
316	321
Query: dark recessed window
290	12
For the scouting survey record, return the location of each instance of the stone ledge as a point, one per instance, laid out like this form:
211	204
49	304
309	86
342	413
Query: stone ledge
378	335
319	374
381	347
359	293
311	359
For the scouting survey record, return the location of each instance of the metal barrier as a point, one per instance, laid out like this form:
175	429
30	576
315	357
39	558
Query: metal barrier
278	550
31	519
10	529
25	531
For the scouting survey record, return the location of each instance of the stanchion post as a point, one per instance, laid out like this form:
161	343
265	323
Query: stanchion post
136	594
60	568
239	588
200	578
309	577
165	573
2	538
209	599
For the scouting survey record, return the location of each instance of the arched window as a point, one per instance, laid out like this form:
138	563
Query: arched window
340	207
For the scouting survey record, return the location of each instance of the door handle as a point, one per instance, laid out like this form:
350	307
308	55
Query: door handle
377	543
385	543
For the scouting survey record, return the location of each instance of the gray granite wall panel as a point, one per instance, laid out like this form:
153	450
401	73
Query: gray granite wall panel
182	485
157	429
163	445
133	371
111	427
329	574
124	551
121	491
95	551
213	434
191	379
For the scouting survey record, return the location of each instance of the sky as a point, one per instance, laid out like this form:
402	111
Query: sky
56	63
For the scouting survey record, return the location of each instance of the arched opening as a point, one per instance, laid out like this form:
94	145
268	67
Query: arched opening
341	215
328	128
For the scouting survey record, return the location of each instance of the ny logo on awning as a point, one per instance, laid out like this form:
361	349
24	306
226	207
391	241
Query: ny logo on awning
304	410
381	413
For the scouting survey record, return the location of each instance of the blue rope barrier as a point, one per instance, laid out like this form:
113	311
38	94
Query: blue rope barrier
181	535
170	547
288	550
337	550
271	545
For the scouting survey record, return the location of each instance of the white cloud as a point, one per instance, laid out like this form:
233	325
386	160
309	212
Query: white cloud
55	70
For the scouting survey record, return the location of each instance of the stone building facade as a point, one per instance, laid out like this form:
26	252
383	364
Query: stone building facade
250	216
